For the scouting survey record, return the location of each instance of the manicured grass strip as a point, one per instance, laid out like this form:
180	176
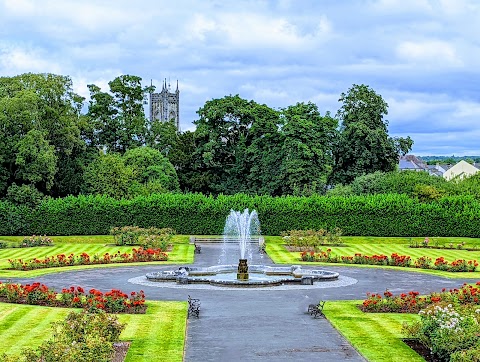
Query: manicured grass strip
280	255
157	335
87	239
386	246
182	253
377	336
24	326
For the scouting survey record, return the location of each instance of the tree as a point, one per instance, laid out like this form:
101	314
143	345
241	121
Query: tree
108	175
223	137
118	116
129	98
102	114
46	105
151	167
163	136
36	160
264	154
307	148
363	144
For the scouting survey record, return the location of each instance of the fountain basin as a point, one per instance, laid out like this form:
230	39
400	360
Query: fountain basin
258	275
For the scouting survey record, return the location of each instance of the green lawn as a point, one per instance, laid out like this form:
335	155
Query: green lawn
381	245
182	253
377	336
159	332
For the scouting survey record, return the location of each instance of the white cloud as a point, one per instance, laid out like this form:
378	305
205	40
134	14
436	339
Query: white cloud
16	60
422	56
430	52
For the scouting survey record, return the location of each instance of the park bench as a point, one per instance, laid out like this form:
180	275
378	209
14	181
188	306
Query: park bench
198	249
193	307
316	310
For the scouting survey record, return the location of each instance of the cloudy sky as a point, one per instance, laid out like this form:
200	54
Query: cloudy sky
422	56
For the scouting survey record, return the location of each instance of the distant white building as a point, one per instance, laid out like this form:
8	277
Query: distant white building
460	170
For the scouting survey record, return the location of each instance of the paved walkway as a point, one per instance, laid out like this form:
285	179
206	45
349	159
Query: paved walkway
259	324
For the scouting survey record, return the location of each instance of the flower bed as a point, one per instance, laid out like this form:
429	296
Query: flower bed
61	260
423	262
449	331
35	240
412	302
114	301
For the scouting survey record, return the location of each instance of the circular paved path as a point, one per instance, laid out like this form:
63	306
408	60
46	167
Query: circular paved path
258	324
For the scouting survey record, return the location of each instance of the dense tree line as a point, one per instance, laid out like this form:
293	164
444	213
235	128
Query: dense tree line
53	143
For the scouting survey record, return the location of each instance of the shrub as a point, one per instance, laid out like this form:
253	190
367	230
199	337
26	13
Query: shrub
126	235
312	238
410	302
154	238
400	260
424	262
448	330
81	336
195	214
36	241
469	355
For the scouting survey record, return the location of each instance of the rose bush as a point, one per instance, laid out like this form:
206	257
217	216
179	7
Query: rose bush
394	260
61	260
114	301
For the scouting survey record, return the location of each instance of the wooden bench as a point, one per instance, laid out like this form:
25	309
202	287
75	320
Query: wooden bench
316	310
193	307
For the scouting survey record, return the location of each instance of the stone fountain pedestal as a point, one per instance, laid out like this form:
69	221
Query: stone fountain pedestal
242	272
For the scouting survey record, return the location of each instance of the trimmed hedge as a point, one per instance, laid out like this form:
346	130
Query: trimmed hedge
373	215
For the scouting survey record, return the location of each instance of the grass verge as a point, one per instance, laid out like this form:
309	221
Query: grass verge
377	336
155	335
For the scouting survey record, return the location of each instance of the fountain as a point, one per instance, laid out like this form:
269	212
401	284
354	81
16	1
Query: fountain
242	228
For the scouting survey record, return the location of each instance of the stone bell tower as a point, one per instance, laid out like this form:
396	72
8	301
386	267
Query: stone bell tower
165	106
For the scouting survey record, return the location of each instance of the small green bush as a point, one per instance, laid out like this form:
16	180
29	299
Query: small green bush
82	336
126	235
36	241
450	331
153	238
312	238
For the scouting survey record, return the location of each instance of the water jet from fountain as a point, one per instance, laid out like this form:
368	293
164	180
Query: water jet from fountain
240	227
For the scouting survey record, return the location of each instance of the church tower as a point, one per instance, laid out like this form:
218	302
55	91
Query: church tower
165	106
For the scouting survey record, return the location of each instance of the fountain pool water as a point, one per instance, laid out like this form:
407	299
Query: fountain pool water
239	228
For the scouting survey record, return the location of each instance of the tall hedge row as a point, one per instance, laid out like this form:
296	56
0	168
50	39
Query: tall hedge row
374	215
